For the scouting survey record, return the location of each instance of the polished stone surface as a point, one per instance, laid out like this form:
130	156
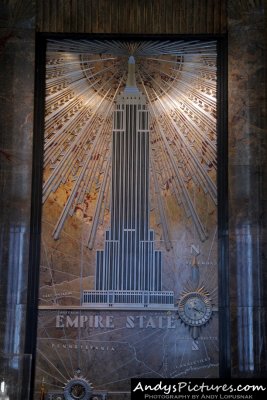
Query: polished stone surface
247	188
248	355
17	39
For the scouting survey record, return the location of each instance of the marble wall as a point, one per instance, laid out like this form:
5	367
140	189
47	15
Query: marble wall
247	176
17	59
247	187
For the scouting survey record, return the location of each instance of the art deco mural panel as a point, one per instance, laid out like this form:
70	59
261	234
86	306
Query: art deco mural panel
128	274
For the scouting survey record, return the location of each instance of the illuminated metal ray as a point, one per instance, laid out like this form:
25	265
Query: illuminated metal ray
187	200
145	48
162	109
77	146
74	191
197	168
72	154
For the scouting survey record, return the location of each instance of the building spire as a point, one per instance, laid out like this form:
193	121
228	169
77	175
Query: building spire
131	87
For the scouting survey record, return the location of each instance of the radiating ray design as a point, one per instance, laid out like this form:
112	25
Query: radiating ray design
83	79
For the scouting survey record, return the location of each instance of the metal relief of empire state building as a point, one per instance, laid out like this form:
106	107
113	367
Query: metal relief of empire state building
129	269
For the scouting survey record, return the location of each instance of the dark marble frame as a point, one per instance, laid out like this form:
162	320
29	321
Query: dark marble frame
223	212
222	182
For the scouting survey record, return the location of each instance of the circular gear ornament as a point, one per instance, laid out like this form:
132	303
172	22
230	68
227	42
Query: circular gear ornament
195	308
77	388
